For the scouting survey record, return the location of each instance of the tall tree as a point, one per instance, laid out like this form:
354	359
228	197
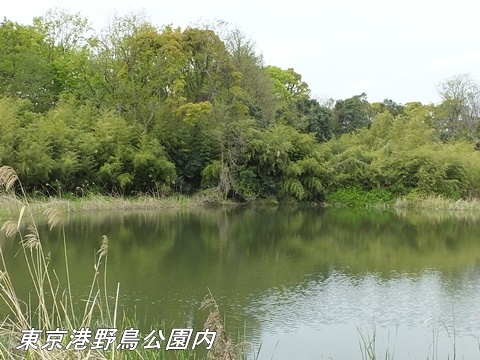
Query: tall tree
129	57
288	83
257	84
351	114
67	48
24	72
64	32
386	105
289	88
459	111
319	118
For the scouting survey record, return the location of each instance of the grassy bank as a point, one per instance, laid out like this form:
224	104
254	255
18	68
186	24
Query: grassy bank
436	203
11	204
379	198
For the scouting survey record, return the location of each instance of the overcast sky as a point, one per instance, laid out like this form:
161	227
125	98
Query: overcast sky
396	49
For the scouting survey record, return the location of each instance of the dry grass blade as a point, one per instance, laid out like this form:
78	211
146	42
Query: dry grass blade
104	248
8	177
3	275
223	348
22	211
32	239
54	217
10	227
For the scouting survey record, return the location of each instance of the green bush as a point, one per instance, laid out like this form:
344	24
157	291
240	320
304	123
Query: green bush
355	196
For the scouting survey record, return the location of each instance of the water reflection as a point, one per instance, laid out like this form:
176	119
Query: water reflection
409	314
302	282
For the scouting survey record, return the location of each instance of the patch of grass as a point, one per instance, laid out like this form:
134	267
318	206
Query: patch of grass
379	198
436	203
11	204
357	197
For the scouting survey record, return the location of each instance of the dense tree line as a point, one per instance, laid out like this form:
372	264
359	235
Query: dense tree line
137	108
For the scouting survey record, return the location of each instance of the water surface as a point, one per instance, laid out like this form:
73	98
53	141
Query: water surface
298	283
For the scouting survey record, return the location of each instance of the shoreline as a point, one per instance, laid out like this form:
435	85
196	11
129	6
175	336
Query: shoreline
10	205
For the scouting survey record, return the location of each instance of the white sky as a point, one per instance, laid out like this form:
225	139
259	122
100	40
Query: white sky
396	49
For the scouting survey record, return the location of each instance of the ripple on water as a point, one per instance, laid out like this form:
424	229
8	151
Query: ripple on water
413	302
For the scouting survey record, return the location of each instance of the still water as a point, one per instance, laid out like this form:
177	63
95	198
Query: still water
297	283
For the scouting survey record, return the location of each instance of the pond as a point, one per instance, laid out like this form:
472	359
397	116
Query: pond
297	283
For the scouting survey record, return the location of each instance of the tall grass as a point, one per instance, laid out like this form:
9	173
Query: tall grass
368	345
10	205
437	203
52	305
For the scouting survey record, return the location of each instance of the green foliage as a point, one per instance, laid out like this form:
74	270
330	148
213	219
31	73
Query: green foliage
401	155
258	86
193	113
386	105
355	196
139	109
319	118
288	158
351	114
151	168
247	183
295	108
211	174
287	83
24	72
